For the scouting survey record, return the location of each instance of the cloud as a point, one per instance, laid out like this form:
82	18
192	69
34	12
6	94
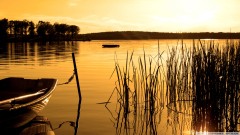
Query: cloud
161	18
97	24
197	21
91	22
45	18
192	18
186	23
73	3
89	17
183	21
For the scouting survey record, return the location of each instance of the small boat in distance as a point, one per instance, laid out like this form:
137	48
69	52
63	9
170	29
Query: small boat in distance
110	46
22	99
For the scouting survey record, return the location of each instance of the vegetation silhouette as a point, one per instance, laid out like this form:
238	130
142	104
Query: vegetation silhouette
201	94
15	30
205	78
140	100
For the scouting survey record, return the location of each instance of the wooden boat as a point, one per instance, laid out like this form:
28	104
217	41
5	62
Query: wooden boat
22	99
110	46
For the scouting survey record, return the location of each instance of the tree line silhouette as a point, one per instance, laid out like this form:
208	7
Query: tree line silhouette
15	30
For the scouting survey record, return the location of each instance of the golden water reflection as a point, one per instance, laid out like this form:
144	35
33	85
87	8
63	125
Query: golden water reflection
95	66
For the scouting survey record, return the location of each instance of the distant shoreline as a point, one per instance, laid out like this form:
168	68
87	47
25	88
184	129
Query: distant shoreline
126	35
138	35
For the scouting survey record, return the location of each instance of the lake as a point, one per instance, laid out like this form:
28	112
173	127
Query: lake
95	66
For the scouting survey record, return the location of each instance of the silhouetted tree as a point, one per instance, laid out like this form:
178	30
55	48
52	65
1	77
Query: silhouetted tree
68	33
51	31
63	29
25	25
74	30
31	29
57	29
43	28
10	26
16	27
3	27
20	24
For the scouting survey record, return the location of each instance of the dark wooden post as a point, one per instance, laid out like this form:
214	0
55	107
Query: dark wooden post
76	74
79	93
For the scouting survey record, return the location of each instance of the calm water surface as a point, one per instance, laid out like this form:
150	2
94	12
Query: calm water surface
95	66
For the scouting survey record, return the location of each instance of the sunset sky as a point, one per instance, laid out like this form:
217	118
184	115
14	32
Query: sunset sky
130	15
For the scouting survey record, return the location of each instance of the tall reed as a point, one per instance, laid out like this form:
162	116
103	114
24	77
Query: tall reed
178	92
208	76
140	91
202	82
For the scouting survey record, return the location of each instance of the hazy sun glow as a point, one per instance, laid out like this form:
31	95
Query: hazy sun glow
130	15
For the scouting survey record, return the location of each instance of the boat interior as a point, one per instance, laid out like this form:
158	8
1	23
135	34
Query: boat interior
20	90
